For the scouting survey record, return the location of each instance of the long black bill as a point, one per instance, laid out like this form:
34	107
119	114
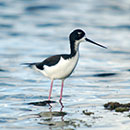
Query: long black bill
95	43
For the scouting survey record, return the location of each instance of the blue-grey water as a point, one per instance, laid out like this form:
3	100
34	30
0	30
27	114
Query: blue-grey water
31	30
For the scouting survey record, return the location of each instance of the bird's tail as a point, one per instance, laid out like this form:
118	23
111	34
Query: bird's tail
28	64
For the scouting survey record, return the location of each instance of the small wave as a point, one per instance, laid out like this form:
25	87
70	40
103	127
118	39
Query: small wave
105	74
42	7
115	27
6	25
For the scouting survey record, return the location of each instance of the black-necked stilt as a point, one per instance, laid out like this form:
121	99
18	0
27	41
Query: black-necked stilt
61	66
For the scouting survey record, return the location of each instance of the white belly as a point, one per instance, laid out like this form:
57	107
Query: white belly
61	70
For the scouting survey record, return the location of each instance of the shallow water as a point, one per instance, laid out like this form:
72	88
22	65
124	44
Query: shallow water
31	30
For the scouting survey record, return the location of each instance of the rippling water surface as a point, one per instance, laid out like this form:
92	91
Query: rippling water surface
31	30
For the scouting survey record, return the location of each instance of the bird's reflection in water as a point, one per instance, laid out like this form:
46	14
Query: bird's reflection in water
53	118
62	106
50	106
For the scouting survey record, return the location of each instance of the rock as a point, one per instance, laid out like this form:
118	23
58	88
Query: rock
117	106
42	103
85	112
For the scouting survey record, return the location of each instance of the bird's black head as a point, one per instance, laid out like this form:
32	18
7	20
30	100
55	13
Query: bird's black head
76	35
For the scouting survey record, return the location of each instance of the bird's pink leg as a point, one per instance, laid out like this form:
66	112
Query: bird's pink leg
61	90
50	90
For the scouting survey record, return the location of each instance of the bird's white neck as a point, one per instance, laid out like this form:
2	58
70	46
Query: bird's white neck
74	48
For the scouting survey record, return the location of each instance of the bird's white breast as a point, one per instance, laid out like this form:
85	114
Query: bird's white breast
62	69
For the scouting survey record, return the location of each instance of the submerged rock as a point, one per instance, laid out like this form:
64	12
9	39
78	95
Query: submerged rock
56	123
68	123
122	109
85	112
117	106
52	114
42	103
111	105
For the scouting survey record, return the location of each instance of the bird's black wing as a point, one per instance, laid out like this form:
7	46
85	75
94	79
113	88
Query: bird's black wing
49	62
